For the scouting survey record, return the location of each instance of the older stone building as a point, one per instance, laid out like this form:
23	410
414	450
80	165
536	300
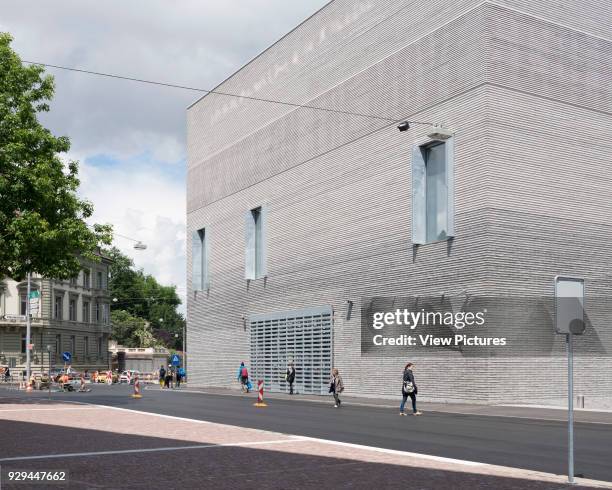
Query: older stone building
296	214
67	316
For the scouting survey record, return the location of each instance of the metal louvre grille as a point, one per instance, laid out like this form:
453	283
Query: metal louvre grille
303	337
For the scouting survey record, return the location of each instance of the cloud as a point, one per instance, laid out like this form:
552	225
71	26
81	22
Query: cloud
145	204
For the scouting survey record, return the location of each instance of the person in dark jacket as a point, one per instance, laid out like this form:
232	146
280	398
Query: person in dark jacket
336	387
162	377
290	377
409	389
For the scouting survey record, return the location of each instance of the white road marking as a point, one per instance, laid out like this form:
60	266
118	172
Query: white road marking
40	409
150	450
184	419
396	452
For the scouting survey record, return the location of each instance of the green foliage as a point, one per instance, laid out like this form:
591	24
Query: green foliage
131	331
141	297
125	327
42	227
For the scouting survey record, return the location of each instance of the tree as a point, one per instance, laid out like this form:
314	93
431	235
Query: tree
42	219
140	296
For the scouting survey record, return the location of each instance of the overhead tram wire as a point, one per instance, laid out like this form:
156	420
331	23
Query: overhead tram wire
226	94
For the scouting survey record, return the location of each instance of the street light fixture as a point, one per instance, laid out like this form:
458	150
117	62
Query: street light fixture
140	246
403	126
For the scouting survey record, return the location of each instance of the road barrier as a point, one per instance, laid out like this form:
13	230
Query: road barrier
136	393
260	394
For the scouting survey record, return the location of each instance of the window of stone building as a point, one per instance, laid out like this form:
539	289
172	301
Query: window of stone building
255	252
200	254
72	309
58	312
86	308
432	192
23	304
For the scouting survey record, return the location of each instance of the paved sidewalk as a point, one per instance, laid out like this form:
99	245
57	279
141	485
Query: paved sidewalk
517	411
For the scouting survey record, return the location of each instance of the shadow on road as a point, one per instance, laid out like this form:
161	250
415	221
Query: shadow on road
214	467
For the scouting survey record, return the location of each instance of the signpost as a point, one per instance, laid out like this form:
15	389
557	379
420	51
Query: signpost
175	360
66	356
569	321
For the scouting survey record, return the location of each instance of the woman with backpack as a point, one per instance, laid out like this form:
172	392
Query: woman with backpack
243	377
409	389
336	386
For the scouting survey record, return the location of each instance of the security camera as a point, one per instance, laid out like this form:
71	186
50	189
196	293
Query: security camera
403	126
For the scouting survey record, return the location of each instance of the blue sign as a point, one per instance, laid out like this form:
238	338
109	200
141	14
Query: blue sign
67	356
176	360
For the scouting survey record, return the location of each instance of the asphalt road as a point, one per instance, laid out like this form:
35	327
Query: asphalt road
522	443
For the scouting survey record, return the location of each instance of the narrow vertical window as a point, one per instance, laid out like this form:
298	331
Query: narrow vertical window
73	345
85	311
72	310
432	192
200	252
59	306
58	344
86	279
255	251
23	304
86	343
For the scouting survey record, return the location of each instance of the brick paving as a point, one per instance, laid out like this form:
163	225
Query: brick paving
104	447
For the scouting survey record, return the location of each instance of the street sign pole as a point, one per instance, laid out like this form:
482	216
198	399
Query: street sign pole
570	408
28	333
570	321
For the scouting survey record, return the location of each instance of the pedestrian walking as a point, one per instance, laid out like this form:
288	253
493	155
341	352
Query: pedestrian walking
168	379
162	377
290	377
7	375
336	386
409	389
178	378
243	377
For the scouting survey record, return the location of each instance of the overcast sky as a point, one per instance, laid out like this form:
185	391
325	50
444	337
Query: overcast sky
130	137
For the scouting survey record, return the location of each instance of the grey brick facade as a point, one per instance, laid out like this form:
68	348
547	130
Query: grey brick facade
527	88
